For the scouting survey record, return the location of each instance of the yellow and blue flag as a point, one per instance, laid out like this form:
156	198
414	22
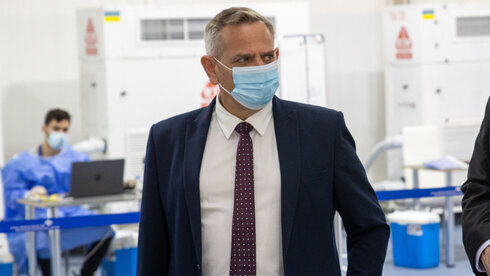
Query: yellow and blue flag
428	14
111	16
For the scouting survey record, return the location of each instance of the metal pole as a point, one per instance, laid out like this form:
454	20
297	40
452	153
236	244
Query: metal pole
449	218
307	67
54	241
30	242
415	176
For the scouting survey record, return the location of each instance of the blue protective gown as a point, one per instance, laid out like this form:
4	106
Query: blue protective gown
29	169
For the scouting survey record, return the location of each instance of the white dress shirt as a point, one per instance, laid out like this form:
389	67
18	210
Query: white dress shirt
217	186
479	265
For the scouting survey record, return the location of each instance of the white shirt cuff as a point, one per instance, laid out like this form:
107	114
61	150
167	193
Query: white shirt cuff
479	265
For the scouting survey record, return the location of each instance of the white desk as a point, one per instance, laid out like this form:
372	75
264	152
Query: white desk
54	235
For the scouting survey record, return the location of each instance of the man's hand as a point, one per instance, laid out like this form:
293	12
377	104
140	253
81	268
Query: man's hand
37	191
485	259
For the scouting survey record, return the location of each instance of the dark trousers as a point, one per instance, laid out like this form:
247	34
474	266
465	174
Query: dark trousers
93	258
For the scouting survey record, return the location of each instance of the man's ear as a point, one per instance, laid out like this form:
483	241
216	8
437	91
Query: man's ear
209	66
44	128
277	53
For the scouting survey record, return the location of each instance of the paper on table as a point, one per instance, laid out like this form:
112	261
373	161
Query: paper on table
446	163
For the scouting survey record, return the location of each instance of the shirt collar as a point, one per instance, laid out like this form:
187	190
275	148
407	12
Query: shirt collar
228	121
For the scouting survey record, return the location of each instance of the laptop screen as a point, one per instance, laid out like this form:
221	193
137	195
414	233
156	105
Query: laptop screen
97	178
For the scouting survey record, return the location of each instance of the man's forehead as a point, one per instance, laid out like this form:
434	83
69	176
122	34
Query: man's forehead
247	38
244	53
54	122
245	26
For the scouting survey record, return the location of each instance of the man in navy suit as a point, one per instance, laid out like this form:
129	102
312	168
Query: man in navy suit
250	184
476	203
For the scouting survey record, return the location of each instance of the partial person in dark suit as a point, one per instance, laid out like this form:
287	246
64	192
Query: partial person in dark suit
476	202
250	184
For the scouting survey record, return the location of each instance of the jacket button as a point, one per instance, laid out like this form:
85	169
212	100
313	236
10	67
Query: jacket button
198	267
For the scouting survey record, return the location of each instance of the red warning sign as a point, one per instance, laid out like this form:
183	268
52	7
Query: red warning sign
403	45
90	39
208	93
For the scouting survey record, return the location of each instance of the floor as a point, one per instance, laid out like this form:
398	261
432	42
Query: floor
461	268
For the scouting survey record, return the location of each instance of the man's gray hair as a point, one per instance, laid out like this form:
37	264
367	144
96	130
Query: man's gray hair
231	16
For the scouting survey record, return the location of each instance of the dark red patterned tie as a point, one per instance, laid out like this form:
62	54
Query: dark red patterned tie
243	233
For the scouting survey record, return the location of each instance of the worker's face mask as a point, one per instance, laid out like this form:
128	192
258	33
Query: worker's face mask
57	140
255	86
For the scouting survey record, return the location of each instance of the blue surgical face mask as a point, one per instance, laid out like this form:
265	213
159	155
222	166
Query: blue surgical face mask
255	86
57	140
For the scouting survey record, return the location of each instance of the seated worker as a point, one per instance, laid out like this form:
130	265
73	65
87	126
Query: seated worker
43	171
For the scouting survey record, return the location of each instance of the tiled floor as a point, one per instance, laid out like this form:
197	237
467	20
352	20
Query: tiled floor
462	268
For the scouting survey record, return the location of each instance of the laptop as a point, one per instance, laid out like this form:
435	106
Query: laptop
97	178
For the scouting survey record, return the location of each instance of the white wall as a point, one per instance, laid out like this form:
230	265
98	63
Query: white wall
1	139
39	66
354	68
452	1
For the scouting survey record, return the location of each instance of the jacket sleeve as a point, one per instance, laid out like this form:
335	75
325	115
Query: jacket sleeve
476	199
153	240
357	204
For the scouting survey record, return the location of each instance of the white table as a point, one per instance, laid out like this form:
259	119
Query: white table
54	235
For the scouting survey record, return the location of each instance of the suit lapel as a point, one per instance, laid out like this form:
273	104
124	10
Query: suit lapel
288	147
287	139
195	141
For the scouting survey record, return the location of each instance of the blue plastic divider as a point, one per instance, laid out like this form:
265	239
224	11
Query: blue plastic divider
125	218
418	193
68	222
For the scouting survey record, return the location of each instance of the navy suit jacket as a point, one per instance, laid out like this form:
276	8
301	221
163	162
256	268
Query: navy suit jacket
320	173
476	189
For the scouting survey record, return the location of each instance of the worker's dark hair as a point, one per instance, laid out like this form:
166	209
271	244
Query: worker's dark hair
56	114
